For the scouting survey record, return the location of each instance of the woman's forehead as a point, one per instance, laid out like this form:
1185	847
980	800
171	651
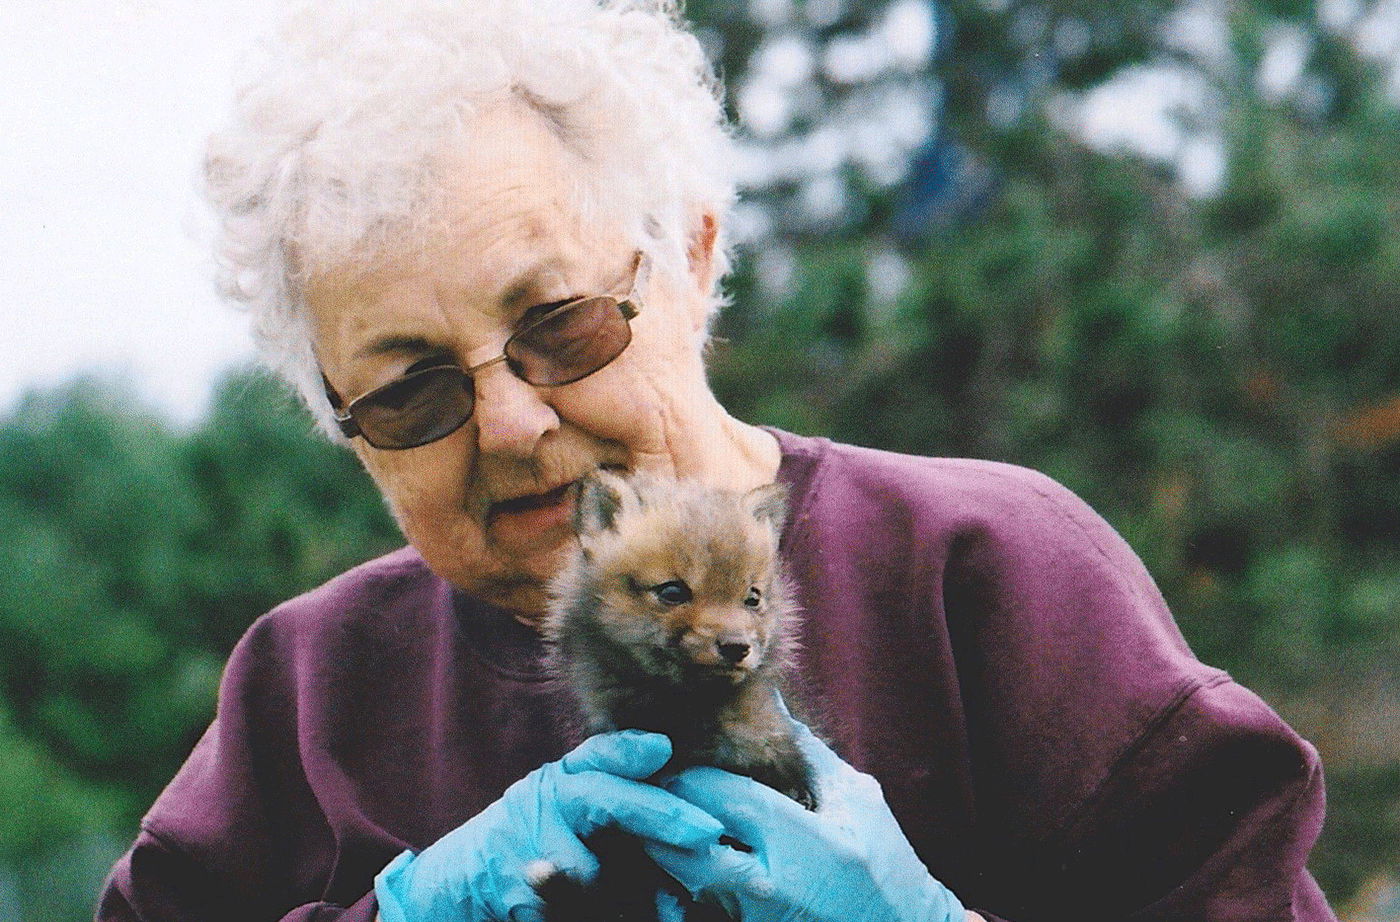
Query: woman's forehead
505	182
506	262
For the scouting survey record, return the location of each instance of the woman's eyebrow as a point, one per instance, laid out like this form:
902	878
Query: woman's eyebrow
537	277
397	344
535	311
521	296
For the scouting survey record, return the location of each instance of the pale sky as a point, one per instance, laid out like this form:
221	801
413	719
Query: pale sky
105	107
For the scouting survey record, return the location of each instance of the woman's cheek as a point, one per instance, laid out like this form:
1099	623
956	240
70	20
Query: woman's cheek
423	484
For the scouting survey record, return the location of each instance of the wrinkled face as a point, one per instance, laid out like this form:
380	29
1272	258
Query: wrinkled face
489	506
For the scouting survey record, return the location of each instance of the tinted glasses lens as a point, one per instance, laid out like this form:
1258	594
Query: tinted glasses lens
571	342
416	409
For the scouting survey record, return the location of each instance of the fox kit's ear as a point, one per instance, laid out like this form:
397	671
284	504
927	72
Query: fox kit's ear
769	504
599	500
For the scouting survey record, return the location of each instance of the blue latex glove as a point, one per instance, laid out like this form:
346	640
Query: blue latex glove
482	869
847	862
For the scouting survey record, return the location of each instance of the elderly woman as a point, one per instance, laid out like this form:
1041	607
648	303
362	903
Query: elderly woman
485	240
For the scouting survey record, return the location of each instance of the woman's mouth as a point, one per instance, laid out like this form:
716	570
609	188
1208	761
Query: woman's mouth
523	520
531	502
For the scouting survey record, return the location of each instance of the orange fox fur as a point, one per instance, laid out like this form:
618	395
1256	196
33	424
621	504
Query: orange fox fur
674	616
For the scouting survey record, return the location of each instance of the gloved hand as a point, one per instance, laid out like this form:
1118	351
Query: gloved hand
482	869
846	862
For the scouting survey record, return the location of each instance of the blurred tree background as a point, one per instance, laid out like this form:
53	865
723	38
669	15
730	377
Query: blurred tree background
138	556
1150	248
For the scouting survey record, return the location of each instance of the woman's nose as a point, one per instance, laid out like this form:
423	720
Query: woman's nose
511	417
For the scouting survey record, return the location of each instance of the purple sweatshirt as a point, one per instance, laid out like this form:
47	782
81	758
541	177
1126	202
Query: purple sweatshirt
974	636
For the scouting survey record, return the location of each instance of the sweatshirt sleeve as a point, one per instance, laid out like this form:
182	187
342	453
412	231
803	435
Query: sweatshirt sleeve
996	655
1143	785
251	826
1211	816
155	881
1214	812
353	722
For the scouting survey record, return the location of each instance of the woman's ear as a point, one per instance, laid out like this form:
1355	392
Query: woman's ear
700	252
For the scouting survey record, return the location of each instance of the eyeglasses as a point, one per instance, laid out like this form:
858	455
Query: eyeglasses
566	343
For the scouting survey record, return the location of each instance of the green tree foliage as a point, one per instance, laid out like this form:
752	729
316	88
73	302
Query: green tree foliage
138	555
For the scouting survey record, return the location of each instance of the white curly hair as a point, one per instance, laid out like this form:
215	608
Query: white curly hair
334	151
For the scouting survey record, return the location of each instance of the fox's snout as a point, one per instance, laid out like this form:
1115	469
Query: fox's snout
733	652
719	643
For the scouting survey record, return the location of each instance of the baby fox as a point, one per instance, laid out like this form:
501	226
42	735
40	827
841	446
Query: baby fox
673	616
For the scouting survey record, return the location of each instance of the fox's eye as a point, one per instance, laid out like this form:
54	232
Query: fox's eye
674	592
754	598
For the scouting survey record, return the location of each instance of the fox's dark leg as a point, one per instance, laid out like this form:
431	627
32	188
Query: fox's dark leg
791	777
565	899
624	890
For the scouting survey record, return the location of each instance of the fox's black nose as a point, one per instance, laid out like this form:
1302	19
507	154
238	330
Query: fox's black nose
733	651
